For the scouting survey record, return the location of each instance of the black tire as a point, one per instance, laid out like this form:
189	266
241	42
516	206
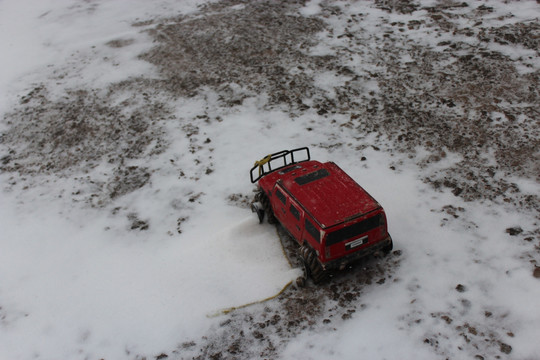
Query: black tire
265	202
386	250
313	266
301	280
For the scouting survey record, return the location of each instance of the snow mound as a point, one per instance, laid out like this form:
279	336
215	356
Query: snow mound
256	266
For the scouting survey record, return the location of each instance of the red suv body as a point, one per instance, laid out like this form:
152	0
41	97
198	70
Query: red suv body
321	207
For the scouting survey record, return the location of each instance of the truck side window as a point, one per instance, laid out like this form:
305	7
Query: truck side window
312	230
295	212
280	196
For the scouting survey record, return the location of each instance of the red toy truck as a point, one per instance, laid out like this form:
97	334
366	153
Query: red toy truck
333	219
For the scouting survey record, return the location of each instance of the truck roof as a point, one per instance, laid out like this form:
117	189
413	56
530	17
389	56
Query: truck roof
325	191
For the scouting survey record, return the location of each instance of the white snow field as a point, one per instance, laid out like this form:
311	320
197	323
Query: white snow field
92	270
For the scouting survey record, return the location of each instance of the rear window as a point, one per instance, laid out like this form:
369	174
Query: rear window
354	230
316	175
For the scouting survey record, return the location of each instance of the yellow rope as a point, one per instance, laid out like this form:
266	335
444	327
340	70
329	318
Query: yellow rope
261	162
233	308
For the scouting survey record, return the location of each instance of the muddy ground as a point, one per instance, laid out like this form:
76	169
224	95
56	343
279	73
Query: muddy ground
443	98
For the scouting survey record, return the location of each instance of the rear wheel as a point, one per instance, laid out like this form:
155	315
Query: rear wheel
386	250
313	266
301	280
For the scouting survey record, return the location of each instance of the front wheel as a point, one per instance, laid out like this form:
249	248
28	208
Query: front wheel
265	202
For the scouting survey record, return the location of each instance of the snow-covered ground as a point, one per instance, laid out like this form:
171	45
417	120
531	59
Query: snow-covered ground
128	130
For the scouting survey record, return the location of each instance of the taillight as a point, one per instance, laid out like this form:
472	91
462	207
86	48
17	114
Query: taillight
382	224
323	242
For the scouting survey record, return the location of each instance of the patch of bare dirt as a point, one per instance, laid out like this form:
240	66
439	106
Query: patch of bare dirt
77	131
455	97
71	135
254	45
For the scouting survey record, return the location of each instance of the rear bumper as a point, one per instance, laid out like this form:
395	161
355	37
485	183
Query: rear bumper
342	262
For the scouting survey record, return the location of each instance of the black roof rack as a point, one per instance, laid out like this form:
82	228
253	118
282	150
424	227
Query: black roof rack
278	160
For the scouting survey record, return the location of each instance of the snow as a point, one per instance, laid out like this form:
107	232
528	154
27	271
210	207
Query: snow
70	280
312	7
77	283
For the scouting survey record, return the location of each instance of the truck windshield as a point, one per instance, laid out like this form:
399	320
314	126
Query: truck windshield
316	175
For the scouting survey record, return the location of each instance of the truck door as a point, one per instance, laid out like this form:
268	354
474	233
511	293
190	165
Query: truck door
280	203
289	214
